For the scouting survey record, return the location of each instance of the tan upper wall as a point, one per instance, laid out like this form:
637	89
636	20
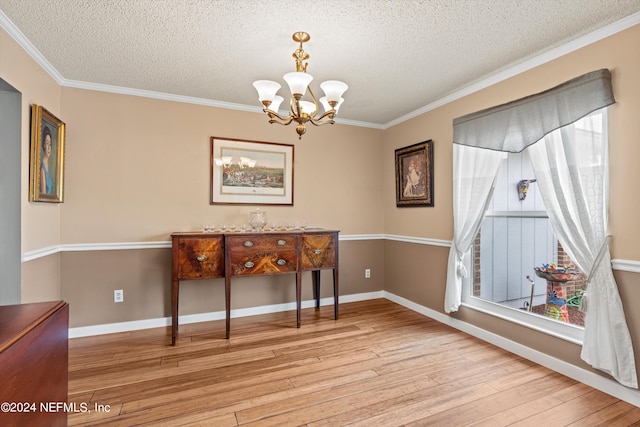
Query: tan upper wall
619	53
40	221
139	168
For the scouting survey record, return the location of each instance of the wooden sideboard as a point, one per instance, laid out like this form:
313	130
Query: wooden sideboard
34	360
199	255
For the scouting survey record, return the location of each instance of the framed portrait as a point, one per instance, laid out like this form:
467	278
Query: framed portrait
251	172
46	176
414	175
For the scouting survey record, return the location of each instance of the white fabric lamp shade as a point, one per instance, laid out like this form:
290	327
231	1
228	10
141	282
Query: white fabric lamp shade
307	107
298	82
333	89
275	104
327	107
266	89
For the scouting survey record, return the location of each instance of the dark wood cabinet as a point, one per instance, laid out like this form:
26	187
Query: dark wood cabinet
34	360
200	258
260	254
234	254
194	256
318	251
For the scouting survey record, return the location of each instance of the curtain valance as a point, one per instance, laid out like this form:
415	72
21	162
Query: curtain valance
514	126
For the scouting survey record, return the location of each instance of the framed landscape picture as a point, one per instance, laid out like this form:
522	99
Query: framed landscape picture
414	175
251	172
46	176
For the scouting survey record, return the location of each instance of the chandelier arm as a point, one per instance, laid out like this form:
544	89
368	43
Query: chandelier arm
315	103
276	118
331	114
294	107
281	121
273	114
320	121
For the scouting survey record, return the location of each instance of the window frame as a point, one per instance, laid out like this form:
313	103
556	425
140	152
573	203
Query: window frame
565	331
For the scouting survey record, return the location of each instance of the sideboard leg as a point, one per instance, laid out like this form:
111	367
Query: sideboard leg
227	303
315	278
174	310
336	292
298	298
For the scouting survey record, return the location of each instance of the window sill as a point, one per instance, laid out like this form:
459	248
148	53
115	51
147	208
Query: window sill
561	330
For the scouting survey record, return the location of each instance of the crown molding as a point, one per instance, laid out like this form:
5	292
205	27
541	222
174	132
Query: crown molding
77	84
550	55
527	65
13	31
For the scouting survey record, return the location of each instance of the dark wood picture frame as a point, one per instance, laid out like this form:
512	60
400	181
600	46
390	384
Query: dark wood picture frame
414	175
46	177
251	172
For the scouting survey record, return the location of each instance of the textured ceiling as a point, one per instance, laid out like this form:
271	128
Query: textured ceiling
396	55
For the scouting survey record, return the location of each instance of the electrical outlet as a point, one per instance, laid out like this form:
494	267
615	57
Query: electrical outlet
118	295
367	273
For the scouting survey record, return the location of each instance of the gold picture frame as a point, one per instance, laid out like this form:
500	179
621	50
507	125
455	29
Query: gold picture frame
251	172
46	178
414	175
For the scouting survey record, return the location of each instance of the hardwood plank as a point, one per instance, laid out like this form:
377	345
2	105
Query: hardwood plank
573	410
379	365
619	414
492	404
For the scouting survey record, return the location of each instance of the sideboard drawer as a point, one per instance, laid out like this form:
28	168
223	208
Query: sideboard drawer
200	258
256	243
263	262
318	251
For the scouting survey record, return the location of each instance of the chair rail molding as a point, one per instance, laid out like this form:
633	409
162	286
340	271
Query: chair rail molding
632	266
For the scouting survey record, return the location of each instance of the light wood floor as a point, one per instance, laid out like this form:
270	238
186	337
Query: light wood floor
379	365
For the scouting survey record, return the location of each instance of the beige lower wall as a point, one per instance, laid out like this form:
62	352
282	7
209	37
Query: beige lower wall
416	272
41	279
629	289
90	277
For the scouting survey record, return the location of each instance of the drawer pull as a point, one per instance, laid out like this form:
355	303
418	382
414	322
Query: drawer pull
282	242
317	251
281	262
248	243
201	258
249	264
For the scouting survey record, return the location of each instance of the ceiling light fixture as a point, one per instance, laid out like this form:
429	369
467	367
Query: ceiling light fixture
298	81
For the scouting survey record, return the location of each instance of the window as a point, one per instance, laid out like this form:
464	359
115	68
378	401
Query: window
516	236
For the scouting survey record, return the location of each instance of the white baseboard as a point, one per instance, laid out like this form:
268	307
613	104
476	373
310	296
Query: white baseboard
591	379
110	328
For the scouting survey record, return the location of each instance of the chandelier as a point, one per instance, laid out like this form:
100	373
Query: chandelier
301	111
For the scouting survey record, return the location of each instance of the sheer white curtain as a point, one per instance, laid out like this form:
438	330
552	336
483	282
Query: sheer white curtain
474	175
579	214
571	171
